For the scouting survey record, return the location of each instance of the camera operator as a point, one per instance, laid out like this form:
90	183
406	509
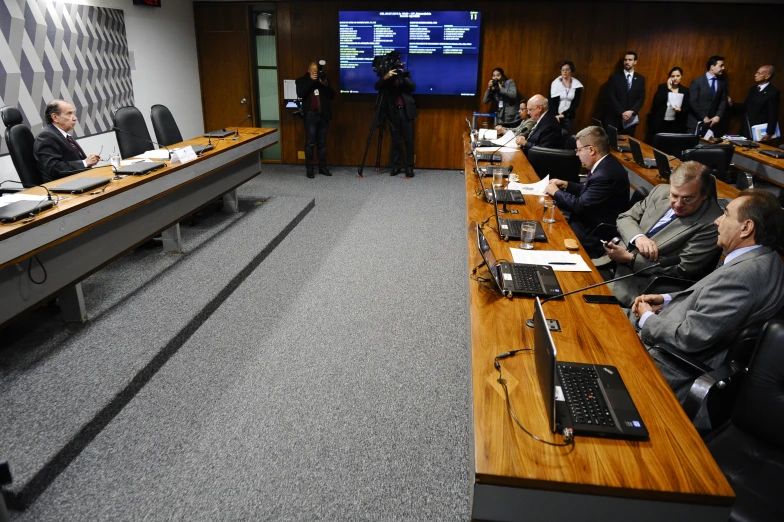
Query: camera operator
398	86
316	94
501	93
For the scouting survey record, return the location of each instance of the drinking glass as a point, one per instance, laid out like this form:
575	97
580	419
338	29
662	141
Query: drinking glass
549	211
498	178
750	180
527	231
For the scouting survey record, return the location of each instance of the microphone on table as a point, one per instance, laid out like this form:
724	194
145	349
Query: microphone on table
155	143
492	162
237	132
663	262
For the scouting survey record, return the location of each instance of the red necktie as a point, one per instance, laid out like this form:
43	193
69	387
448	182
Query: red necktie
75	147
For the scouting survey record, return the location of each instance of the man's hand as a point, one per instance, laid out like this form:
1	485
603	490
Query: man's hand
714	120
559	117
390	74
92	159
627	115
314	76
551	189
706	120
676	108
647	303
500	129
764	137
617	253
647	248
521	141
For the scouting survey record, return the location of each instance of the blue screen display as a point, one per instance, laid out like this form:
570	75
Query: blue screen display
440	48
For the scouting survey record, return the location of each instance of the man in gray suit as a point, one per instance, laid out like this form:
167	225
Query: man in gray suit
744	291
676	219
708	98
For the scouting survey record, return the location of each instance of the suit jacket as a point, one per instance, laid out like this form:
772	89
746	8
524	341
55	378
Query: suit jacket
659	109
404	87
692	238
599	200
546	134
702	103
701	320
623	99
762	107
55	156
305	87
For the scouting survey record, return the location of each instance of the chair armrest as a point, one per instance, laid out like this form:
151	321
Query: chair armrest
605	230
667	285
683	360
724	380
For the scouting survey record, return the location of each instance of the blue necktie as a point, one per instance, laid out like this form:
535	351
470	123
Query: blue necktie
652	232
713	86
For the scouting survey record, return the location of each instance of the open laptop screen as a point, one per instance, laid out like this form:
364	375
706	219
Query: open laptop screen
544	352
487	255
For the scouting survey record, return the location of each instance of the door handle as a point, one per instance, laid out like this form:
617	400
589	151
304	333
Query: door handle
242	101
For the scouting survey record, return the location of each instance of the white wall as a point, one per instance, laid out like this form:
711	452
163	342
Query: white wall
163	42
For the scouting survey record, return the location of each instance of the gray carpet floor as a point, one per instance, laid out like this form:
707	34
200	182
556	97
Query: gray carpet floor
333	383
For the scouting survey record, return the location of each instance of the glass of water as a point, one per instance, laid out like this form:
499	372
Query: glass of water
114	160
527	232
750	180
498	178
549	211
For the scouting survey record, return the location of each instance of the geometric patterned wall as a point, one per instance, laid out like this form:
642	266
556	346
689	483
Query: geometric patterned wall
55	50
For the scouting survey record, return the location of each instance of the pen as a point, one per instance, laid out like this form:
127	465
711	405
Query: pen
560	263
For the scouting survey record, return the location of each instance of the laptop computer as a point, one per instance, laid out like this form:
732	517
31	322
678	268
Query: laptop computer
201	149
648	163
488	170
220	133
511	228
79	185
597	122
23	209
663	164
778	154
590	398
503	195
517	278
475	142
140	168
612	137
487	156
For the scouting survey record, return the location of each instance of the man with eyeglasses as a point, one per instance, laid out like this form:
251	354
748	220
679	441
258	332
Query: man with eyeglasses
524	129
674	220
603	196
546	131
56	153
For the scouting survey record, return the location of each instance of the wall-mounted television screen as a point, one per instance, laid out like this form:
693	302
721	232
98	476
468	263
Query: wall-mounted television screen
439	48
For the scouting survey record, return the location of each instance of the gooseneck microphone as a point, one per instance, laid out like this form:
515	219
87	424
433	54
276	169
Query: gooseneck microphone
664	262
237	132
490	156
155	143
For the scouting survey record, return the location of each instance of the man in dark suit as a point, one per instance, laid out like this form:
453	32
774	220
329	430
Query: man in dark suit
762	104
603	196
546	131
398	85
627	94
744	291
316	94
56	152
708	98
675	219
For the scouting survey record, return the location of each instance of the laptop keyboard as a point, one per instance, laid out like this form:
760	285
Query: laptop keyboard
583	396
526	279
508	195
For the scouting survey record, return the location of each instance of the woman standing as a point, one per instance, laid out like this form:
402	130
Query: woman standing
668	113
501	93
565	94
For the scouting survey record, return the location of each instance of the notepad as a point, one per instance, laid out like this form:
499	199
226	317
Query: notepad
549	257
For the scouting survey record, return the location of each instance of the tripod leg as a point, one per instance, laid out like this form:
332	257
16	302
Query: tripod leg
373	125
380	142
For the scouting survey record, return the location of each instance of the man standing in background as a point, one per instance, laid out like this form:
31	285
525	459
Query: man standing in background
627	94
316	94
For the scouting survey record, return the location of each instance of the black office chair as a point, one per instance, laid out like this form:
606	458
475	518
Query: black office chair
638	195
674	144
750	448
570	143
164	126
130	120
716	158
20	141
558	163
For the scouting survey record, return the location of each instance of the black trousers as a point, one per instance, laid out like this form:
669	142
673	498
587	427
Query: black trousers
403	128
316	128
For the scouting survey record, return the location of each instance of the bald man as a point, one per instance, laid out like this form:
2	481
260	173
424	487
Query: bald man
762	103
314	90
56	152
546	132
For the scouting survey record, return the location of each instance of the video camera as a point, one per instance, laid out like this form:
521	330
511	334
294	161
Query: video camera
388	62
321	74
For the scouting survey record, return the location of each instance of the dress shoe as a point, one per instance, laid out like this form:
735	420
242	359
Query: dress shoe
409	173
395	171
325	171
310	173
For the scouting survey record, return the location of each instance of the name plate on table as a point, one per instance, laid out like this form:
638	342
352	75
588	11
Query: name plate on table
183	155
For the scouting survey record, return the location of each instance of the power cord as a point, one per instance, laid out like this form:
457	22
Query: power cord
568	433
30	271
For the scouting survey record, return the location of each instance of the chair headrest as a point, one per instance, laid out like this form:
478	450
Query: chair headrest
11	116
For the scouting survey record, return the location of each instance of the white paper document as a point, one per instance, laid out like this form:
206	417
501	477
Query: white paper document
675	99
633	121
289	89
7	199
573	262
487	134
534	189
125	163
155	154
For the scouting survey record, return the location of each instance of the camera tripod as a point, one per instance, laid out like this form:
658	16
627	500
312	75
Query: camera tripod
381	114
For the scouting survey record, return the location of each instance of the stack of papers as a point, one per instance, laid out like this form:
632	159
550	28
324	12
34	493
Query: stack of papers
155	154
534	189
505	142
574	262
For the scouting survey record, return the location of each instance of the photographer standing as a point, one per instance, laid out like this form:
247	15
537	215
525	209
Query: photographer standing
501	93
316	93
398	86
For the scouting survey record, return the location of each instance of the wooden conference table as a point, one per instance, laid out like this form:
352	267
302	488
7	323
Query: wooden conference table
670	477
85	232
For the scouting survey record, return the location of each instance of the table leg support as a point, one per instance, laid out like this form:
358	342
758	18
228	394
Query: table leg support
172	242
231	202
72	304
